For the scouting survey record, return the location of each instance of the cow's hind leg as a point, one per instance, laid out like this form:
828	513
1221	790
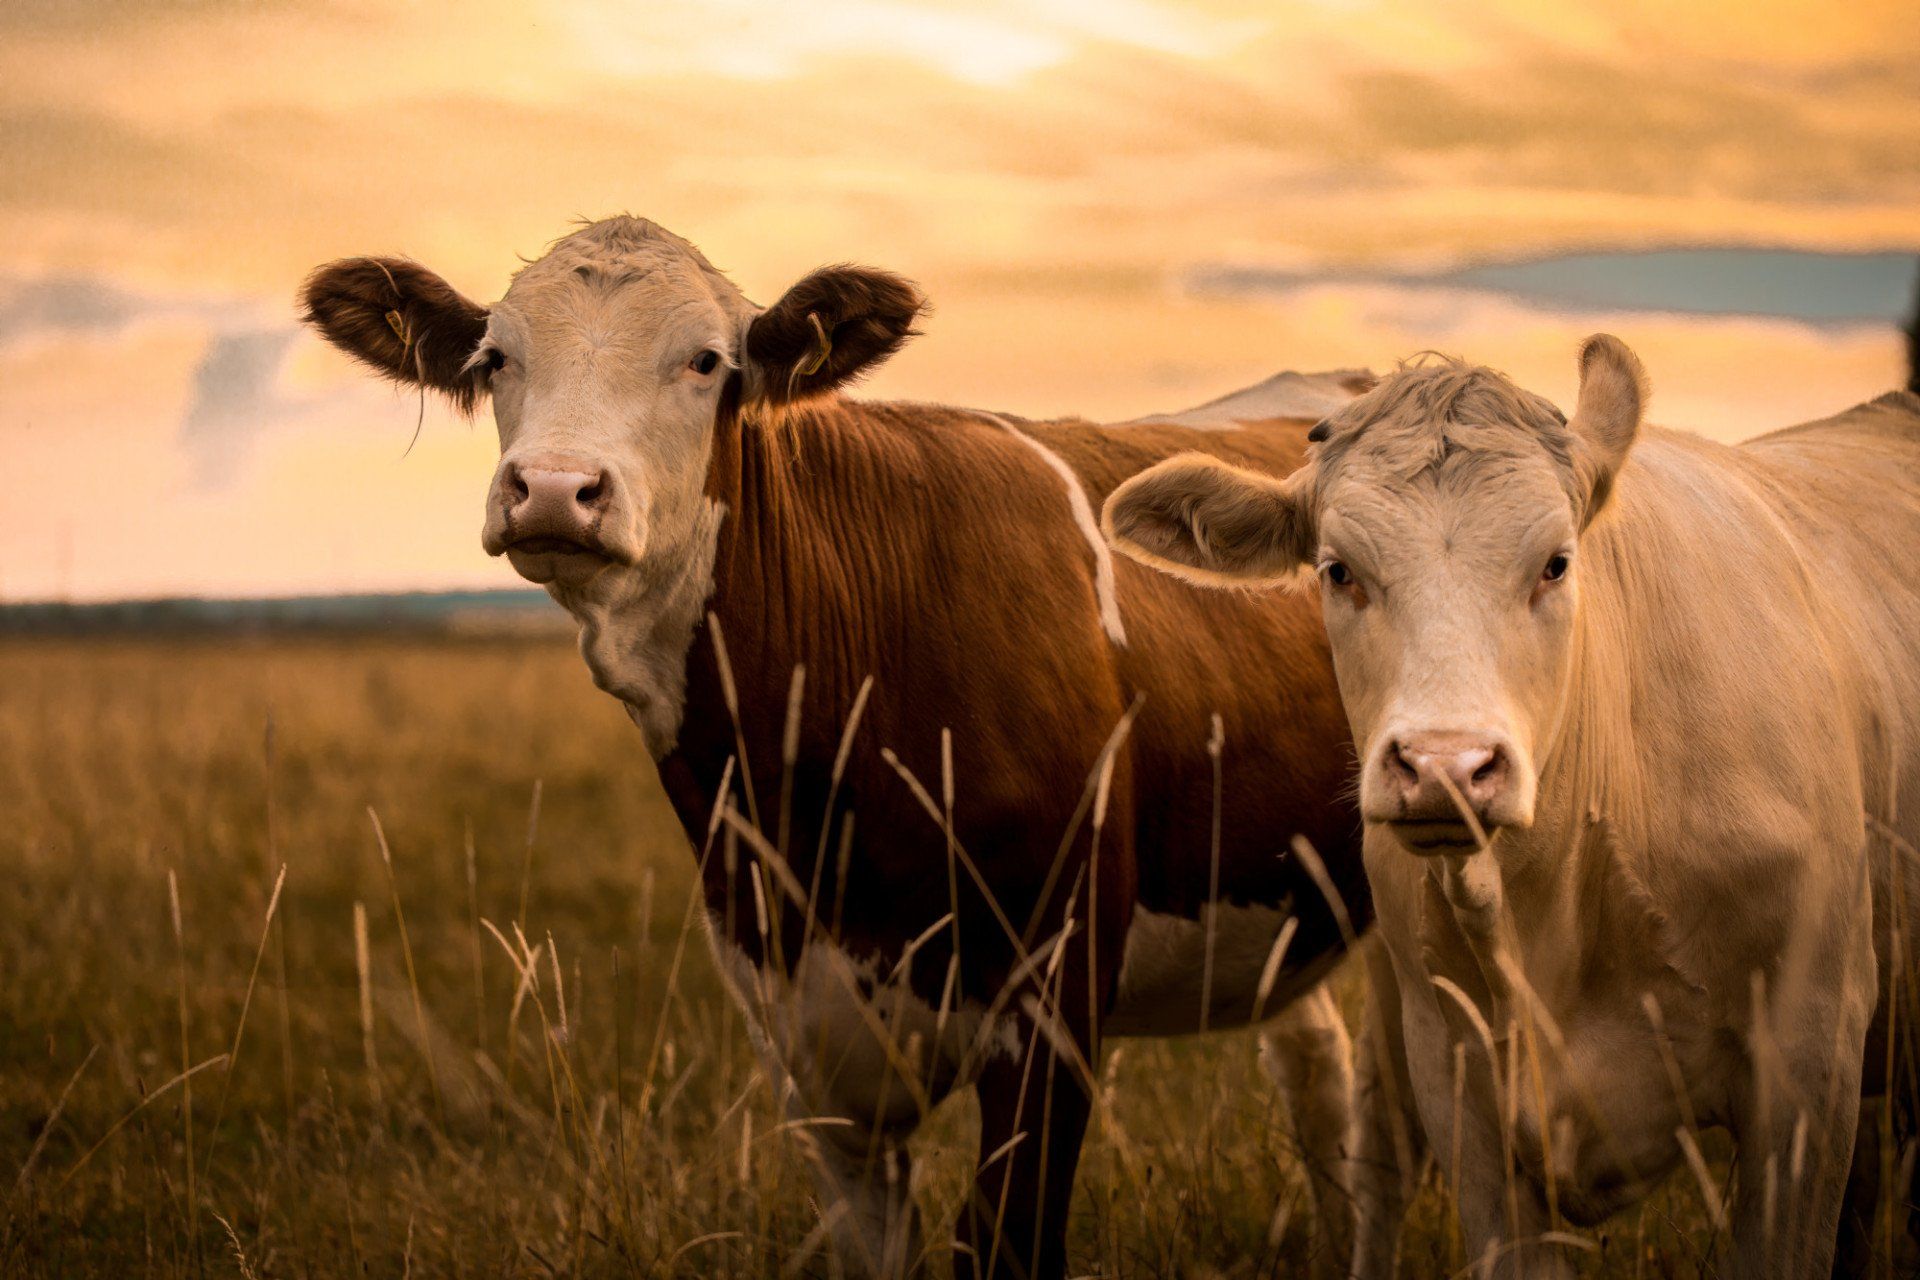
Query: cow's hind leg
1308	1055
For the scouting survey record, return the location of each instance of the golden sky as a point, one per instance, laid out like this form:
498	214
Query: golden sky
1067	178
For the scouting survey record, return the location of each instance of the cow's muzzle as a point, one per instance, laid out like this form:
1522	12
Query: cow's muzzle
548	514
1446	791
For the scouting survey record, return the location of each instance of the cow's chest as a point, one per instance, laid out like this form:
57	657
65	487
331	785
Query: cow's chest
1599	1104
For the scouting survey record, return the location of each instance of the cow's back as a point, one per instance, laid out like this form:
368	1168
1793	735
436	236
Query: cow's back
1849	486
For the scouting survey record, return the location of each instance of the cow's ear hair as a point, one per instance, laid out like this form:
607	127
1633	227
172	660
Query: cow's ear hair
401	320
1606	421
831	327
1211	523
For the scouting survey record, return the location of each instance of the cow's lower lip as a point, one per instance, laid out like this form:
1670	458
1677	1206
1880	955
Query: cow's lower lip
1428	837
554	547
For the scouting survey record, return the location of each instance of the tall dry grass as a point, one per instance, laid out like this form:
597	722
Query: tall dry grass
330	958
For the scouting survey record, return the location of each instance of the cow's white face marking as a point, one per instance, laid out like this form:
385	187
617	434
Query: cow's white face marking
609	356
1162	970
1103	580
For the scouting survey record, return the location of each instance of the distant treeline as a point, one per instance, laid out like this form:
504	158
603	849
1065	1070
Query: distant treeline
430	612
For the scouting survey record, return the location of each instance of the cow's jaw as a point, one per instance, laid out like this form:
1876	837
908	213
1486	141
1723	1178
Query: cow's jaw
637	625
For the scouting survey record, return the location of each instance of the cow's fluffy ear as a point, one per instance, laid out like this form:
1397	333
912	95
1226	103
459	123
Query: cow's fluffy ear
1605	423
1211	523
828	329
401	320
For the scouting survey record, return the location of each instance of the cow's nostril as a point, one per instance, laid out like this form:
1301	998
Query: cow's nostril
1400	767
517	485
590	494
1486	771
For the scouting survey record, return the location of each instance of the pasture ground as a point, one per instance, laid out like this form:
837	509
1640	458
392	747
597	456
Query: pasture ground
386	1106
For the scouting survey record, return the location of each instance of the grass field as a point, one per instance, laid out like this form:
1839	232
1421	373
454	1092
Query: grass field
199	1078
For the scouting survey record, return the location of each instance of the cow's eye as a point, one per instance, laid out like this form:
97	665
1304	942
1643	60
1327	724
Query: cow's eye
706	362
1556	568
1338	573
496	360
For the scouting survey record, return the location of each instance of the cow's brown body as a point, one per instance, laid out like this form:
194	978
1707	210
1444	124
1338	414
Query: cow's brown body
931	550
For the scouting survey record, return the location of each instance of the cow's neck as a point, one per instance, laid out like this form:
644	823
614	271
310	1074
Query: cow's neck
791	578
1574	883
752	563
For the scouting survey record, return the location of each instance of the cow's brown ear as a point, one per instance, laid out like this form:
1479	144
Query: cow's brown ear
401	320
1606	422
828	329
1218	525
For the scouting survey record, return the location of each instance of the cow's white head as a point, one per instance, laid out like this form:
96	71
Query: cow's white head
1443	511
610	362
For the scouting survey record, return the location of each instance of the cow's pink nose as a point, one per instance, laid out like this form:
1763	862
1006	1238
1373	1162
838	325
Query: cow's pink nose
1426	771
554	497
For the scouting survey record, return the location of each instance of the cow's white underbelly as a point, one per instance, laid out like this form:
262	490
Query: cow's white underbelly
848	1006
1164	982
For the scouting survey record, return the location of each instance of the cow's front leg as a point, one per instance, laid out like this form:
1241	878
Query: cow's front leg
859	1058
1795	1129
1794	1154
865	1176
1795	1120
1033	1116
1502	1210
1389	1143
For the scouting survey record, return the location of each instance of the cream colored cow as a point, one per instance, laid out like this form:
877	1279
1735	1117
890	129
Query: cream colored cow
1639	727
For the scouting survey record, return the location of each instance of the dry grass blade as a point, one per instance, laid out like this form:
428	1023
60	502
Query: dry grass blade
1216	747
240	1024
533	841
186	1068
406	954
53	1118
1709	1190
240	1261
363	966
217	1060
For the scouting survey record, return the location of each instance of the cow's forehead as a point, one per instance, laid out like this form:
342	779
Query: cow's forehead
1446	429
629	255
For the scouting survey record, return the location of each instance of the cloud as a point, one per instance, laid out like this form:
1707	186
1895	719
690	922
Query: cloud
1824	289
236	395
92	305
1057	173
1143	138
64	304
235	388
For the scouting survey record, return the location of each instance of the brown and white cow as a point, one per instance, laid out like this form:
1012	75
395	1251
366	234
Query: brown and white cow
1640	766
994	795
